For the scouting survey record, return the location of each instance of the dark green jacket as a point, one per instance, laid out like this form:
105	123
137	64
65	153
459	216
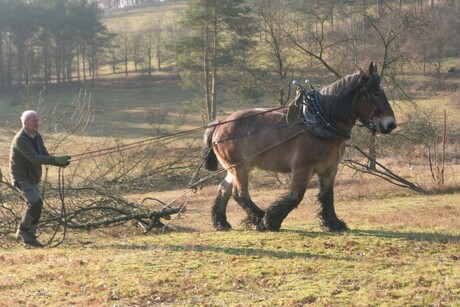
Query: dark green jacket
27	156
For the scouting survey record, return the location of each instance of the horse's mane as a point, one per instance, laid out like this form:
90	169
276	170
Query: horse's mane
342	86
333	97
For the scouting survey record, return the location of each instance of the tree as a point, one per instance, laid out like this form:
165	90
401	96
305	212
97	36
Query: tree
43	37
443	33
216	28
149	49
122	43
22	27
314	36
274	62
157	36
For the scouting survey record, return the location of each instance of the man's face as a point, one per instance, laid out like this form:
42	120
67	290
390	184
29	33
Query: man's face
31	124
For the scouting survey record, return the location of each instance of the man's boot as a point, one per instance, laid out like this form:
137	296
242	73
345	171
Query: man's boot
23	232
33	231
28	226
24	235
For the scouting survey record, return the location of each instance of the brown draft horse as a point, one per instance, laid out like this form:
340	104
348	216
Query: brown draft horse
262	138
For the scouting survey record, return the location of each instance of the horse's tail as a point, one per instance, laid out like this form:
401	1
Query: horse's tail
210	158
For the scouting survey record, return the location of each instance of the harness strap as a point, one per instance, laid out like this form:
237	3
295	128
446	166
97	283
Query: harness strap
317	121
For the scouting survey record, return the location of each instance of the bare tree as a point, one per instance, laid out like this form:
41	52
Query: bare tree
153	42
277	62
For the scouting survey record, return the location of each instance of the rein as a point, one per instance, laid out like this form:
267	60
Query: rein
194	186
63	215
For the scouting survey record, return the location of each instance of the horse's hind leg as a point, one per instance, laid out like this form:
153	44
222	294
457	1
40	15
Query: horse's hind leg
280	209
327	214
219	216
242	197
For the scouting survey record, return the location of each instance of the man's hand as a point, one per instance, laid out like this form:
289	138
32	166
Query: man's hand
62	160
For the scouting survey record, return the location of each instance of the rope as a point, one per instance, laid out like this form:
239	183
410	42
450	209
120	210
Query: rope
133	145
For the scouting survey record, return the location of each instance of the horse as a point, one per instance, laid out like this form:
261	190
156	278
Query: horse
314	145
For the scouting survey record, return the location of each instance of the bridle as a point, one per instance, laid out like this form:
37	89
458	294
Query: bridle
372	101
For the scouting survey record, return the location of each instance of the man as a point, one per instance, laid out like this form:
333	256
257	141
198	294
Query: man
27	154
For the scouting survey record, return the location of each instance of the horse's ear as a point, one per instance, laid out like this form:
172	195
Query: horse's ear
372	68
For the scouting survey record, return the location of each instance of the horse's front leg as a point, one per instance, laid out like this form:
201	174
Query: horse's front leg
327	214
280	209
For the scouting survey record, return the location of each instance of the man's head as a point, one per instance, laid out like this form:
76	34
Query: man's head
30	121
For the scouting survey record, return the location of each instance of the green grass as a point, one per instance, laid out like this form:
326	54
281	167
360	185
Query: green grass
388	258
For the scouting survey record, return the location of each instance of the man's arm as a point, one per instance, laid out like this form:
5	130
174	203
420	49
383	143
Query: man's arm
26	149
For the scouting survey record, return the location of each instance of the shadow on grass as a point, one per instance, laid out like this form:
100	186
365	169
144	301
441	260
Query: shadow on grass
286	254
413	236
382	233
232	251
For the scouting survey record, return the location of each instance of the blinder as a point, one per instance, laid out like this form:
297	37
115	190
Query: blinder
368	122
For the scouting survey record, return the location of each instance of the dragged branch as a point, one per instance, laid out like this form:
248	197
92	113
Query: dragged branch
383	173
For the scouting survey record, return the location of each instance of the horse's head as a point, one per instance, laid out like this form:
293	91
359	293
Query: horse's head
372	106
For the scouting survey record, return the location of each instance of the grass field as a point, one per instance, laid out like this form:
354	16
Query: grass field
401	250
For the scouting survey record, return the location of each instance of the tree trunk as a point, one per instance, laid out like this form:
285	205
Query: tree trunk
114	63
213	93
45	62
2	69
9	60
158	54
206	77
94	69
214	72
149	54
372	153
83	59
20	72
78	62
126	60
29	60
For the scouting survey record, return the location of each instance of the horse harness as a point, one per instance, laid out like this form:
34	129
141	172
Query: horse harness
319	124
316	119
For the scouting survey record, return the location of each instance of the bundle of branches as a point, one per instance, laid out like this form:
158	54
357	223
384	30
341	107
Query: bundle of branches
88	209
105	210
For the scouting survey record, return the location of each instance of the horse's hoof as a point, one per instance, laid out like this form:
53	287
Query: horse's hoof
335	226
222	226
270	225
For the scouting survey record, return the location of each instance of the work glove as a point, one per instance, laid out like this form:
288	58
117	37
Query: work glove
62	160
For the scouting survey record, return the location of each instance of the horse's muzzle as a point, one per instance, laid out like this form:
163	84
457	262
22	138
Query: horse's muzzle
387	125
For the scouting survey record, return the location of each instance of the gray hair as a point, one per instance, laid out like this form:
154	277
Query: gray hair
26	115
